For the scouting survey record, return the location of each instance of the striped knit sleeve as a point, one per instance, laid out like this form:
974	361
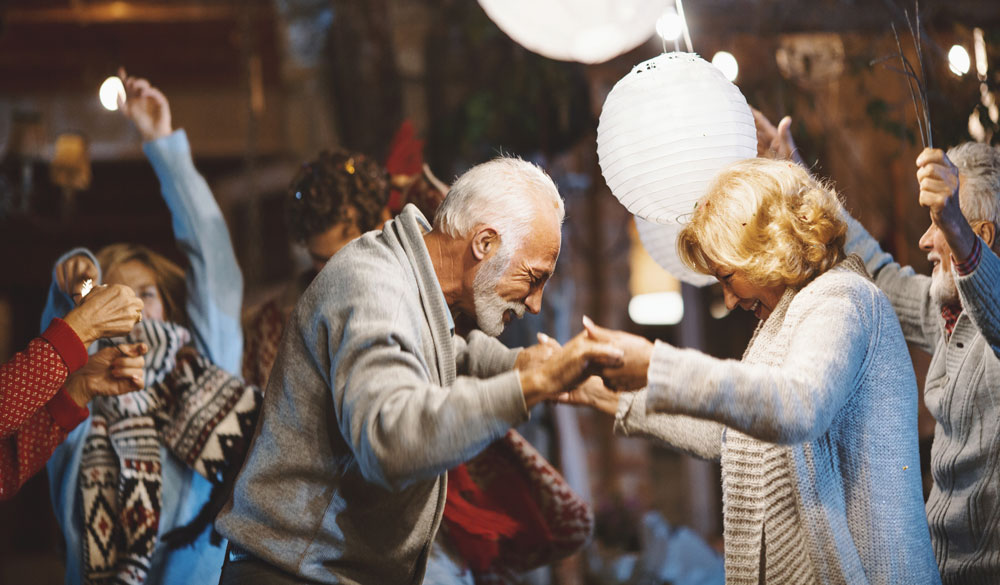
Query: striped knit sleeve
980	294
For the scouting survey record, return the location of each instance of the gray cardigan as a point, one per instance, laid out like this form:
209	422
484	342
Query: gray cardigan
962	392
372	398
817	432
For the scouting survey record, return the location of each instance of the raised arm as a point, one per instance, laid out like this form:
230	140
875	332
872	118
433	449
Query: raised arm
789	403
214	280
976	266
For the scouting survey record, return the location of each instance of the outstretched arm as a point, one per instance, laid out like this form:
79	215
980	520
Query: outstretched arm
789	403
214	280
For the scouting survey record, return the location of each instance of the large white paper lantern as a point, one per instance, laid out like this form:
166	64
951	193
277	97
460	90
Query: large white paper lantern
666	130
588	31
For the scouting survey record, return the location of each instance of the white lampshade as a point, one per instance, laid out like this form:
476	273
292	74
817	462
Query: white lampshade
660	240
588	31
666	130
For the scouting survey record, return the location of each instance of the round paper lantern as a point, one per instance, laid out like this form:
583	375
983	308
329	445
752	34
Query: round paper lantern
588	31
666	130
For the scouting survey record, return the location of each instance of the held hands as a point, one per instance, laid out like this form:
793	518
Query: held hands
631	373
146	107
593	393
105	312
775	142
109	372
545	375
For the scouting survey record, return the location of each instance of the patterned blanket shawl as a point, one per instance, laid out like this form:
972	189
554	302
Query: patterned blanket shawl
202	414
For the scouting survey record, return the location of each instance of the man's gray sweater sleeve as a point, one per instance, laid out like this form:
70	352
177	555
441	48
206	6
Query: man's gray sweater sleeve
908	292
402	425
483	356
980	296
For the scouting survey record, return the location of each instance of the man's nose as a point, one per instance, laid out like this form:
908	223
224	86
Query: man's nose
534	301
926	241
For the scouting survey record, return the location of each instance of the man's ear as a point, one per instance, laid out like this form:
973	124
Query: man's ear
485	240
986	230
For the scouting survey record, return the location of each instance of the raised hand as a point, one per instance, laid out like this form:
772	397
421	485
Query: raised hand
107	311
593	393
939	186
775	142
109	372
145	106
631	373
72	273
566	368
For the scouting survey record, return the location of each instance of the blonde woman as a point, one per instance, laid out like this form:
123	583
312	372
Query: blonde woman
816	427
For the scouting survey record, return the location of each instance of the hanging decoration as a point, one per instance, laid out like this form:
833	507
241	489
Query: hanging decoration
666	130
588	31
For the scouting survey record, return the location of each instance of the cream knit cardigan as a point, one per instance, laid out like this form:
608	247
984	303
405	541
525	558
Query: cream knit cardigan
816	428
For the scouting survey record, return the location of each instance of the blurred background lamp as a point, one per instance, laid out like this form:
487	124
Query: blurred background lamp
587	31
727	64
958	60
663	308
110	90
670	25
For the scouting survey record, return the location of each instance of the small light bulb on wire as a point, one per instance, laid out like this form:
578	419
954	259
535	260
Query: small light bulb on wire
670	25
109	92
958	60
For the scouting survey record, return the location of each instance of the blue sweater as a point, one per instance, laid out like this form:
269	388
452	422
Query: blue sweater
215	293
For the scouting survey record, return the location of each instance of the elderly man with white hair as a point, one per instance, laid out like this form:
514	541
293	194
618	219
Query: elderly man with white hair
373	396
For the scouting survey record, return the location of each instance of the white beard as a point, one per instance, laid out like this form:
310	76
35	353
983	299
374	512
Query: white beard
943	289
490	306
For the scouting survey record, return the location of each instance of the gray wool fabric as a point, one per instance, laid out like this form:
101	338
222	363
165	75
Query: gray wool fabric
816	428
962	392
371	399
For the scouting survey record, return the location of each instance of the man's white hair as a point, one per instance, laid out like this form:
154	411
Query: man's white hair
979	165
505	193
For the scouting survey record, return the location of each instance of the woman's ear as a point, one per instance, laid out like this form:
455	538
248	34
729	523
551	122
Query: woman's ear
485	240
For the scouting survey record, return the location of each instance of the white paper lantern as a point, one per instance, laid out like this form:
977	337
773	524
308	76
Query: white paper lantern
588	31
666	130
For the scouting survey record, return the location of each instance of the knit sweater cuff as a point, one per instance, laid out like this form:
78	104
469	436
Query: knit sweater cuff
65	411
631	409
664	364
67	344
505	398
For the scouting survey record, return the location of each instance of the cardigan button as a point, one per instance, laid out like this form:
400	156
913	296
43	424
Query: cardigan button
960	345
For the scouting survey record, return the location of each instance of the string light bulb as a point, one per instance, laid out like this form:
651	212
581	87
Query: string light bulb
110	91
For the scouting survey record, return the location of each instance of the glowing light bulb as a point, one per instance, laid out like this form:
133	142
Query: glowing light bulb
110	90
664	308
958	60
726	63
670	25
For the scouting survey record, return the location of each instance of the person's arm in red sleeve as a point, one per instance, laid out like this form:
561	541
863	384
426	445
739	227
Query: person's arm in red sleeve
33	376
25	452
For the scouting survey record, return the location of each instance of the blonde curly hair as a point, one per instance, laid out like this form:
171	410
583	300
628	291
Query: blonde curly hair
770	220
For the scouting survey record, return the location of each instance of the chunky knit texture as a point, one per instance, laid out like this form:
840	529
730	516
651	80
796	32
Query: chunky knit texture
371	400
816	429
962	392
